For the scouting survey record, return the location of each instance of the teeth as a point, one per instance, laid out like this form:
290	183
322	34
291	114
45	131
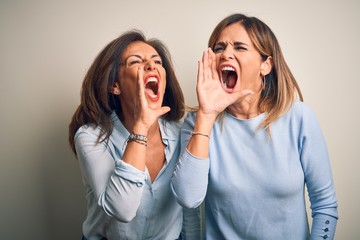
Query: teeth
152	79
227	68
228	75
151	86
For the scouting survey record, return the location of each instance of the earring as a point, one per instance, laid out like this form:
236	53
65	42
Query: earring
263	82
116	92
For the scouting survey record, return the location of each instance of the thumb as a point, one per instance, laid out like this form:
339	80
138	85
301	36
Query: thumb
241	94
246	92
161	111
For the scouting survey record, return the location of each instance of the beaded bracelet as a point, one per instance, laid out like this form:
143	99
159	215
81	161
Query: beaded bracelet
138	137
141	139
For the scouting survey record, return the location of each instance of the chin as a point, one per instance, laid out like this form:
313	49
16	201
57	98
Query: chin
154	103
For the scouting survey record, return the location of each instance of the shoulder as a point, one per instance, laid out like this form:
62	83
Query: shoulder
301	110
85	139
94	130
87	130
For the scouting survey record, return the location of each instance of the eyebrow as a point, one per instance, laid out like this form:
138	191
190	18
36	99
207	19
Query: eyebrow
235	43
139	56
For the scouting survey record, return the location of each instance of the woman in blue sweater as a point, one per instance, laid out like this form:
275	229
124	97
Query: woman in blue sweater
253	145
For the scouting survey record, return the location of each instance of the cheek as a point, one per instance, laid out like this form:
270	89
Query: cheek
163	78
250	68
217	61
128	74
127	80
250	77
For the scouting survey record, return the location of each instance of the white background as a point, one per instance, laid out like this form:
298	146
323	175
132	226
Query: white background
47	46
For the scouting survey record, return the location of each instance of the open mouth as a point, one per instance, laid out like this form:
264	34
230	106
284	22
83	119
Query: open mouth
228	77
152	87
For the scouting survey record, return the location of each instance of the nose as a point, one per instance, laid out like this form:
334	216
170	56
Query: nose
149	65
228	53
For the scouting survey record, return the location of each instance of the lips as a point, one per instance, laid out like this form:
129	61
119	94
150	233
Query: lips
228	77
152	87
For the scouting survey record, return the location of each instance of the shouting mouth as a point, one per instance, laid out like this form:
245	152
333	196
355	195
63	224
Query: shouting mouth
228	77
152	87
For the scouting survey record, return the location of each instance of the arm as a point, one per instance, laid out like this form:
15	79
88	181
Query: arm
318	177
189	182
117	184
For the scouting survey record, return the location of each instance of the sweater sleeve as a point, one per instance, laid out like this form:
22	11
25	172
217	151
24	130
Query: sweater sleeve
318	177
116	185
190	178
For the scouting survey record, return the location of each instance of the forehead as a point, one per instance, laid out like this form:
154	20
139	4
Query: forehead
139	48
234	33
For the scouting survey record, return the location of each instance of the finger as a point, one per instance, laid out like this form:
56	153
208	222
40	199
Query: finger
238	95
212	58
200	77
140	85
203	56
161	111
206	69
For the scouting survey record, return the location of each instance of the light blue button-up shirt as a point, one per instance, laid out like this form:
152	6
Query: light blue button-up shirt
122	201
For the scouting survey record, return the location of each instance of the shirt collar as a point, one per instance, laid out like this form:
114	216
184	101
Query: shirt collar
169	130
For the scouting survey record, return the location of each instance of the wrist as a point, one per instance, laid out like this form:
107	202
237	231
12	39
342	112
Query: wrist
204	123
140	130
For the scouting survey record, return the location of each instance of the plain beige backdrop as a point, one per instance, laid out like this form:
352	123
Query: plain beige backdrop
47	46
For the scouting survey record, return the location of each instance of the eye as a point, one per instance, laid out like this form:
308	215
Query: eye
240	47
218	49
133	62
159	62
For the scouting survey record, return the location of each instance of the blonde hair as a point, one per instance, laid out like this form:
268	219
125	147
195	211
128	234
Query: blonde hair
280	87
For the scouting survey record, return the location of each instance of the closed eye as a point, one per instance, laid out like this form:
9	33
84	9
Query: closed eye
159	62
219	47
239	46
134	62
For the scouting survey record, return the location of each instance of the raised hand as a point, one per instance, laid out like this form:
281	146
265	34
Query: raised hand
144	115
211	96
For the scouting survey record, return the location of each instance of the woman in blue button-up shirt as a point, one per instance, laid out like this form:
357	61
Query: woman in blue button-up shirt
125	134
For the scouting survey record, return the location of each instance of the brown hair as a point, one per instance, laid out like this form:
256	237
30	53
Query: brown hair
281	89
97	102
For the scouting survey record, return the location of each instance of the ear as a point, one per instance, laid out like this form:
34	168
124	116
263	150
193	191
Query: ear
266	66
115	89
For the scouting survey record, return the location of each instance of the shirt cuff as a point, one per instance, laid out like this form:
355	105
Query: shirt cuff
323	227
129	172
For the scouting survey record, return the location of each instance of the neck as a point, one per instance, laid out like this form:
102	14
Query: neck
246	109
153	131
129	125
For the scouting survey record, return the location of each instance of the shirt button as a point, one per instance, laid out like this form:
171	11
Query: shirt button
327	222
325	236
326	229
